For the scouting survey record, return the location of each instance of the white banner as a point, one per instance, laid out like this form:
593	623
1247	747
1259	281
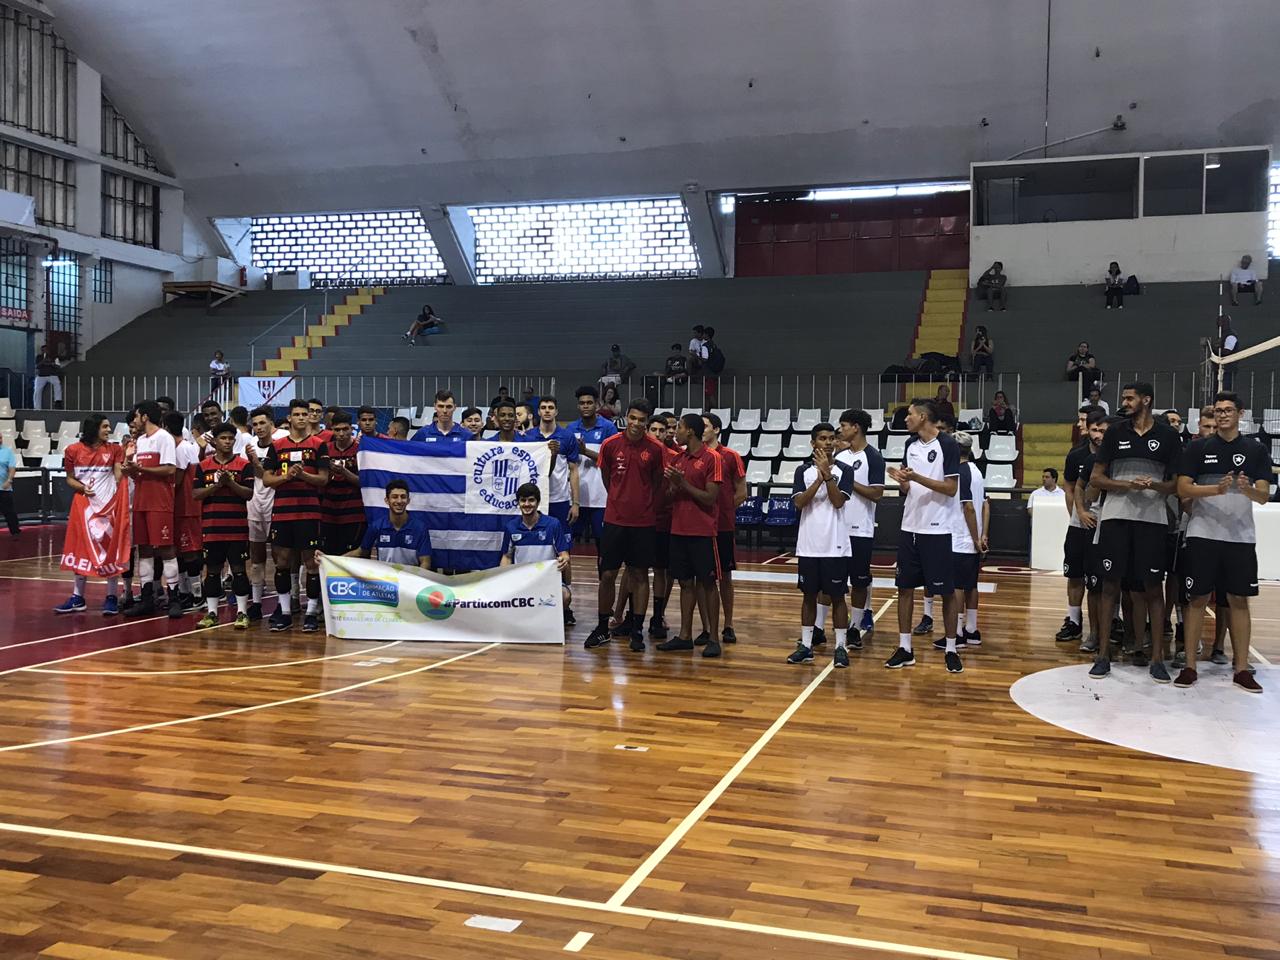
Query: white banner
265	391
369	600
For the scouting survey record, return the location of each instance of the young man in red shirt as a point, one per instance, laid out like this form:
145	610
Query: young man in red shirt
342	517
693	479
630	465
662	581
297	467
733	491
152	461
186	512
223	487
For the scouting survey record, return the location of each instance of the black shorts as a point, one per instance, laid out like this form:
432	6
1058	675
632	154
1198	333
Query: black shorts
1133	552
1073	553
822	575
725	552
966	571
219	552
295	534
694	558
339	538
661	549
633	546
860	562
1172	547
1213	565
924	560
1092	566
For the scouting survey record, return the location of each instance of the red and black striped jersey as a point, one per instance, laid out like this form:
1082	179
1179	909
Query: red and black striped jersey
297	499
341	501
226	516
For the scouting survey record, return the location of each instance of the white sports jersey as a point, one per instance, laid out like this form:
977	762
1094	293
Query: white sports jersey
971	489
925	511
186	454
264	498
868	470
822	531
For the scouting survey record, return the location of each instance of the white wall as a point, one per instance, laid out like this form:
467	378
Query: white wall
1157	249
136	290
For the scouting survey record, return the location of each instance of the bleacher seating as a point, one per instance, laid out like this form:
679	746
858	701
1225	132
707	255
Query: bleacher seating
6	409
31	429
740	443
786	473
806	419
759	471
748	420
965	417
799	447
769	446
778	421
895	448
35	450
999	476
1002	448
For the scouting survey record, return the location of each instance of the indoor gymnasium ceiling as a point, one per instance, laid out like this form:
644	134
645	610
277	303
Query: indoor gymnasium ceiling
301	105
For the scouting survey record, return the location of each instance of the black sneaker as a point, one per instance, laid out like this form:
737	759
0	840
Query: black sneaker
279	620
711	650
941	644
176	609
255	612
623	629
901	658
188	600
954	664
841	658
854	639
597	638
819	636
569	618
1158	672
801	654
1101	669
128	604
924	626
1070	631
728	636
971	638
1140	657
702	639
1117	630
1089	645
657	628
637	643
675	643
310	623
145	607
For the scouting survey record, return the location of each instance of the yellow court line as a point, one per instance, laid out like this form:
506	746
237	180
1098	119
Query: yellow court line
675	836
172	673
317	866
239	710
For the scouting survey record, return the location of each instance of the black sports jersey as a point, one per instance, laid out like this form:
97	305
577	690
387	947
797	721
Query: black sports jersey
1071	473
1228	516
1128	455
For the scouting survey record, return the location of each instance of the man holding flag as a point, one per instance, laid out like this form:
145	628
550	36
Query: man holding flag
97	541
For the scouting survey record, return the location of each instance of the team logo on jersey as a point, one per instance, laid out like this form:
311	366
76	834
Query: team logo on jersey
933	455
1238	459
1106	565
1153	445
857	465
498	473
1191	582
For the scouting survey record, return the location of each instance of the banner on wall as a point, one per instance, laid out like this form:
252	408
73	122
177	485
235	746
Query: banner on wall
265	391
369	600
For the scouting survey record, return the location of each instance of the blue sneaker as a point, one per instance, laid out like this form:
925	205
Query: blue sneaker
868	622
110	607
73	604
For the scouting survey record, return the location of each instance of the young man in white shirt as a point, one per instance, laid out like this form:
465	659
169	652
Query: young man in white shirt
971	514
1244	279
860	515
928	480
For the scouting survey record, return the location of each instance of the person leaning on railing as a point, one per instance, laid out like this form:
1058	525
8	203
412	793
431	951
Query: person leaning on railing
219	372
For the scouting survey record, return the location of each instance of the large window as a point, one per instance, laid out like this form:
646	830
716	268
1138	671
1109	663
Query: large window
37	77
1039	192
609	240
15	303
51	180
130	210
377	248
103	281
119	140
62	297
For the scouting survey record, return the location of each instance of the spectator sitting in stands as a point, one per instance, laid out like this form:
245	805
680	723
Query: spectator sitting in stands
1048	489
1083	366
676	369
528	396
1094	398
898	421
942	403
1001	418
610	401
982	353
617	368
697	349
1226	344
992	286
424	322
1113	286
502	394
472	419
1244	279
219	372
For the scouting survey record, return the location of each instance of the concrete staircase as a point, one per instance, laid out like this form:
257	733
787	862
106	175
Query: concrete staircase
305	345
942	314
1043	445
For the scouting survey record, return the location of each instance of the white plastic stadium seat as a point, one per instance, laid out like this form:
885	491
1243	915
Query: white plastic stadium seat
1275	451
806	419
1000	476
121	431
759	471
1270	420
1003	448
877	420
8	426
69	428
896	447
6	410
52	461
425	417
748	420
1193	418
799	447
740	443
786	473
36	448
770	446
778	421
696	411
965	417
34	428
724	413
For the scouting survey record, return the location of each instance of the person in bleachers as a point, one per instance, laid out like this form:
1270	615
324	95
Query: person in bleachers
219	372
942	402
617	367
676	369
610	400
422	323
1244	279
1083	366
1001	418
993	286
697	349
1093	397
48	373
982	352
1226	344
1113	286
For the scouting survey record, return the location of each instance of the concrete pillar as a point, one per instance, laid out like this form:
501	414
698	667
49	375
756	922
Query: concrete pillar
703	231
88	309
172	211
88	136
39	306
455	241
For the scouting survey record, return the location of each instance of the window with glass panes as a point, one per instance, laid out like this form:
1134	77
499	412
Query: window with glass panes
373	248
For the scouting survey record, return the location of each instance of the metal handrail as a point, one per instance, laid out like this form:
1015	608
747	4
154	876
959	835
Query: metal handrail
252	352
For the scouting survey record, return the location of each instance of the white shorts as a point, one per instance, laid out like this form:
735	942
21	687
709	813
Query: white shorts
259	530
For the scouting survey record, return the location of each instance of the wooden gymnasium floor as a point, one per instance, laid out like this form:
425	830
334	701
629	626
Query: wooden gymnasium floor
168	793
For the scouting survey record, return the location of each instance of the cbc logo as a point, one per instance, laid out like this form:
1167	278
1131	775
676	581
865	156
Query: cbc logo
343	588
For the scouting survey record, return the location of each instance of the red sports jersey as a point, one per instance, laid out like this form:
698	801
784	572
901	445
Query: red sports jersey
325	435
341	501
226	515
689	518
92	465
734	470
297	499
662	499
154	494
631	473
187	455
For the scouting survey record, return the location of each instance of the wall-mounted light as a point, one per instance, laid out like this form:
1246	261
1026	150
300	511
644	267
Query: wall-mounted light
1212	161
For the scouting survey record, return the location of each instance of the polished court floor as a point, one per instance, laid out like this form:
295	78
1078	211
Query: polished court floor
197	795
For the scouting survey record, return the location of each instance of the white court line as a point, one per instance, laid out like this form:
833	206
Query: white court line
684	826
172	673
42	556
239	710
578	941
317	866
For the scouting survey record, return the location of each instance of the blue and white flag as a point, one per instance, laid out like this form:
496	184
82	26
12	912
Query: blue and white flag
466	491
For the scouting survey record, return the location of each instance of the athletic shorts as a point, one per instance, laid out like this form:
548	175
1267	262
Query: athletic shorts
817	575
1133	552
661	549
296	534
1172	544
259	530
1073	552
859	565
593	518
188	534
693	558
219	552
725	551
633	546
339	538
924	560
153	528
1213	565
560	511
1092	568
966	571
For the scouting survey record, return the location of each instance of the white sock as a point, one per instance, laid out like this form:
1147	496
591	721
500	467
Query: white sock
971	620
294	587
959	624
113	586
855	617
904	641
257	592
286	602
1177	612
951	645
170	571
928	607
842	636
242	604
1074	615
806	637
146	569
821	620
78	588
212	605
313	604
196	587
184	582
